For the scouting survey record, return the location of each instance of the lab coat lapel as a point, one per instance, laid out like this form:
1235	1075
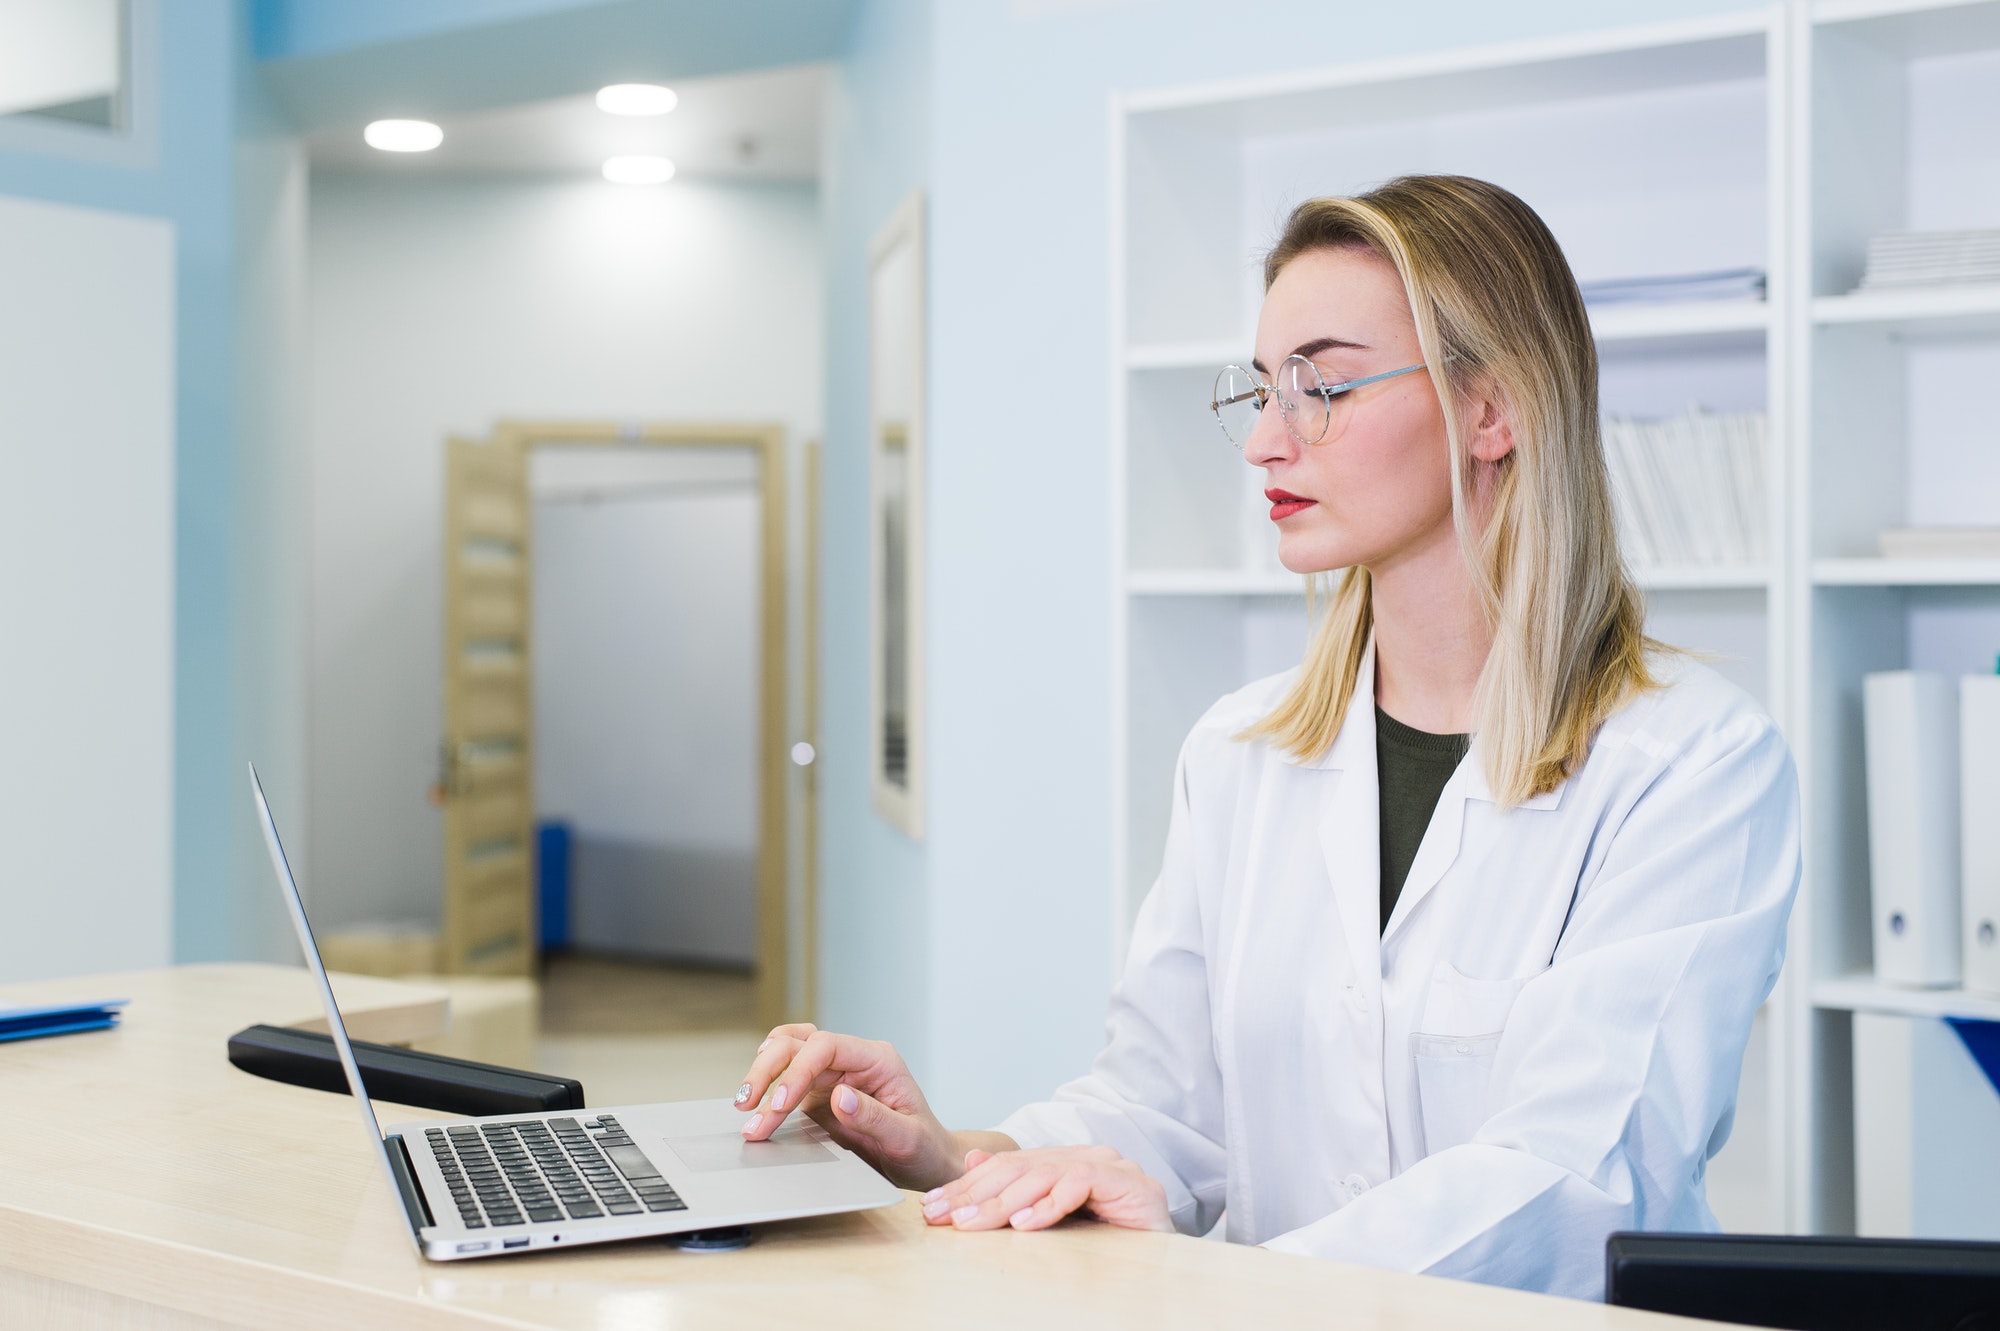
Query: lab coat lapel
1350	832
1438	851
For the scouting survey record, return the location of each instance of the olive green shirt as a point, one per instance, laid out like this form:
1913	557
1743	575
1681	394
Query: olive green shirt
1412	767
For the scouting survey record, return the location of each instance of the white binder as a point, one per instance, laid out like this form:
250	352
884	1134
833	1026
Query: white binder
1979	772
1911	724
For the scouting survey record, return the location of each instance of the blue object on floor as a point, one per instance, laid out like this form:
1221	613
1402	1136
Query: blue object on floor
552	859
1982	1041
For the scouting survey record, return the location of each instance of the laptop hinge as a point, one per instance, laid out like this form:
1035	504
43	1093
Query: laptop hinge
414	1205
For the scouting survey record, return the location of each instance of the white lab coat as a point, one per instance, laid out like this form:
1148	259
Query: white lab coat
1543	1047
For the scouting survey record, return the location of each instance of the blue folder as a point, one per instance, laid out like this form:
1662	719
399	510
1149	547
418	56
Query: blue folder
27	1023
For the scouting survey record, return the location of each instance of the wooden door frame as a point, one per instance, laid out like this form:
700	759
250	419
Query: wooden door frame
767	443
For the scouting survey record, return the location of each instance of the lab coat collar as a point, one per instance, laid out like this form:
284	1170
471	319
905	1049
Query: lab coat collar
1353	748
1350	832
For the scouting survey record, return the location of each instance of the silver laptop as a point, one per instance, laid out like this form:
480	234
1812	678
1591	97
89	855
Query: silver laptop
484	1187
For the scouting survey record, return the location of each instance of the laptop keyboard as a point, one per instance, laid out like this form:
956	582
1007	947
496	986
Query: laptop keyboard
503	1174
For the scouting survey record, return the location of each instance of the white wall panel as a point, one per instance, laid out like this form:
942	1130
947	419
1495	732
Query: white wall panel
86	590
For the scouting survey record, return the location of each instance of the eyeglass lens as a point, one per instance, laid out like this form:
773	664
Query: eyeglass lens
1302	399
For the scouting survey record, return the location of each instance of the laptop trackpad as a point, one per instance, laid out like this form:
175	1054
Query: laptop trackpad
728	1150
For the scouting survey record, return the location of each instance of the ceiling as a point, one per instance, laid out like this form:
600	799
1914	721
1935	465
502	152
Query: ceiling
762	126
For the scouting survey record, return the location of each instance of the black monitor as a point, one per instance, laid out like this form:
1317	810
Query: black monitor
1808	1284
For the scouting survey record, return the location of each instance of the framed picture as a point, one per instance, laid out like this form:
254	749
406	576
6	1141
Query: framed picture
896	515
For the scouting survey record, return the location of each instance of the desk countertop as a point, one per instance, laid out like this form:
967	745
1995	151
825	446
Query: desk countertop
146	1181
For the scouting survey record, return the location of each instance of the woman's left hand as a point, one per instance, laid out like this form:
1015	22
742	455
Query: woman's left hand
1034	1189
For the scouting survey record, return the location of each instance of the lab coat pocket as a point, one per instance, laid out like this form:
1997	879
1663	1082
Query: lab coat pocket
1454	1050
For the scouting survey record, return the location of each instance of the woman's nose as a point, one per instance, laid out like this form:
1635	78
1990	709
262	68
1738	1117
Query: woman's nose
1270	440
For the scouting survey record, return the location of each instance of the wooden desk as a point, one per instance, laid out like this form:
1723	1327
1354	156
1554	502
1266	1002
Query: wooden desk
144	1182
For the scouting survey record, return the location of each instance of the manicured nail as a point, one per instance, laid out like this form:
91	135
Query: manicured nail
932	1210
743	1093
933	1194
1022	1216
845	1100
783	1094
963	1214
762	1047
755	1121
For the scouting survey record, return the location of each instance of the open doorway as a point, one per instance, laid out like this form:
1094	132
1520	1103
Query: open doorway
615	684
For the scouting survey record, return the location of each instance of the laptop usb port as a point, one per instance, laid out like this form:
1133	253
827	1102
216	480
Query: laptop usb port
514	1243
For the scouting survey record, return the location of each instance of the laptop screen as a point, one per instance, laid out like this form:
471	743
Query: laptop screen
297	907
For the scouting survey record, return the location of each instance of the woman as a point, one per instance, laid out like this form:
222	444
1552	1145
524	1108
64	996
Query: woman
1464	1016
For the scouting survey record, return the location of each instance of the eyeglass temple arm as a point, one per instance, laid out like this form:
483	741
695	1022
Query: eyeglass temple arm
1335	390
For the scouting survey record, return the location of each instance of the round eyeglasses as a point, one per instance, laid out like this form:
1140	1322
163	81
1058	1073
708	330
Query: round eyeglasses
1312	408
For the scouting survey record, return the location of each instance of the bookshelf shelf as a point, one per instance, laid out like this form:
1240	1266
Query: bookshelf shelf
1906	572
1939	310
1860	991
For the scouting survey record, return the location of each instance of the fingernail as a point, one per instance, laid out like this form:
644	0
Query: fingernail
963	1214
933	1194
845	1100
932	1210
762	1047
1022	1216
755	1121
743	1093
778	1100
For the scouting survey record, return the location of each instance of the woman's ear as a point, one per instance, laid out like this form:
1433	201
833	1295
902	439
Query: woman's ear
1491	417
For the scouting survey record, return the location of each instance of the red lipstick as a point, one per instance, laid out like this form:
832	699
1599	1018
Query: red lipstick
1284	503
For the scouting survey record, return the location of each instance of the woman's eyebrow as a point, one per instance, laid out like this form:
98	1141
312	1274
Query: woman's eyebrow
1319	344
1313	348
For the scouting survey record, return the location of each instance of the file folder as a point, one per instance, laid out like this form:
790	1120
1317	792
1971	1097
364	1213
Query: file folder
1979	770
29	1023
1911	734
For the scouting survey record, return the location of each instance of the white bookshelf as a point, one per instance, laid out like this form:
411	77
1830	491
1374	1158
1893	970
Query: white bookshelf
1781	138
1895	106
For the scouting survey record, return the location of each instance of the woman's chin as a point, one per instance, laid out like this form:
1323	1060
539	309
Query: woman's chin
1303	558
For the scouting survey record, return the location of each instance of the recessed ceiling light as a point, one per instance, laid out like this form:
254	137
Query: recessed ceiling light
638	170
403	136
637	99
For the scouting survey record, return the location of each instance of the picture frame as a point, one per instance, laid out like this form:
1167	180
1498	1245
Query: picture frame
896	337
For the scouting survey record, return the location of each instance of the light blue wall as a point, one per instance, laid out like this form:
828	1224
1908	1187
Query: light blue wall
874	941
1016	867
199	68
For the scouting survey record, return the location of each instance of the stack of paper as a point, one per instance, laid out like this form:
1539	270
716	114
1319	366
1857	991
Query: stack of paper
26	1023
1727	284
1940	542
1924	258
1691	490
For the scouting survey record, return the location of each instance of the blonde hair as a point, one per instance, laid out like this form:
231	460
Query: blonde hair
1497	313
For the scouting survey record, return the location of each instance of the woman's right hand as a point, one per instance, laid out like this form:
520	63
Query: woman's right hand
861	1093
